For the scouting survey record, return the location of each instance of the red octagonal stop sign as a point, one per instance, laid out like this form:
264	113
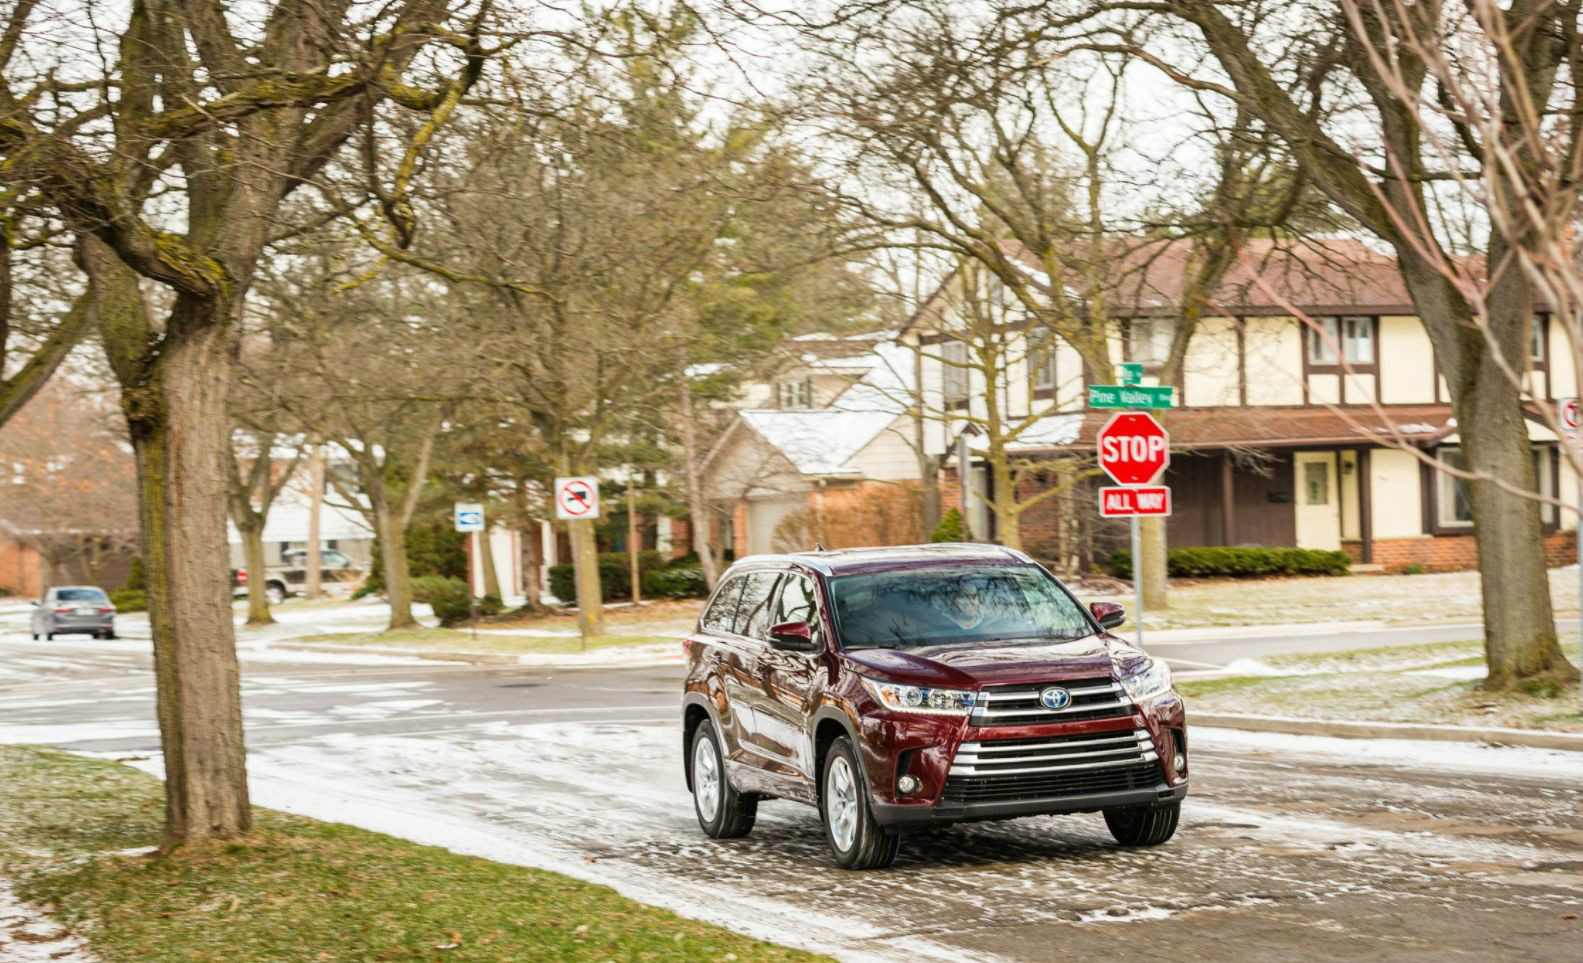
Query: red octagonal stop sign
1133	448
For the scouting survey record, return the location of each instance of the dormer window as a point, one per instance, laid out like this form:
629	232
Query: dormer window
797	393
1149	340
1041	359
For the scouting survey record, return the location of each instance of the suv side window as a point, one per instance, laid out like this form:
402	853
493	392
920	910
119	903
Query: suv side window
799	602
757	602
722	613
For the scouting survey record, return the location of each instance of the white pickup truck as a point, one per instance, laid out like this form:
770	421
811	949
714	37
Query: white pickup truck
291	576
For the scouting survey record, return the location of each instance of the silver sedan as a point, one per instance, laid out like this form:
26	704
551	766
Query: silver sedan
74	609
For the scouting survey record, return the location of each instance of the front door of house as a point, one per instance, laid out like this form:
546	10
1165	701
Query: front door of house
1318	505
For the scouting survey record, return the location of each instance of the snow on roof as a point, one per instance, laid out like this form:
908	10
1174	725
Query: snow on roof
1049	431
820	441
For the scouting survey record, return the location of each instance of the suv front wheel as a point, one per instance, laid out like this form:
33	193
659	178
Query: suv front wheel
1143	825
857	841
723	812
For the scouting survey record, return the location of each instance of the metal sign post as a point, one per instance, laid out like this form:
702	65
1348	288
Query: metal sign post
469	518
1134	450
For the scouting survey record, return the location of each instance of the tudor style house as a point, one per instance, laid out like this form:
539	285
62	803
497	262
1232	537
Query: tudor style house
1287	432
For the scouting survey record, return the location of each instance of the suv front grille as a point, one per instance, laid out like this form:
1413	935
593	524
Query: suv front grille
1019	705
1041	768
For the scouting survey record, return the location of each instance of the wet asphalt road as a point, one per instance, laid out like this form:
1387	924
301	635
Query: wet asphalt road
1281	856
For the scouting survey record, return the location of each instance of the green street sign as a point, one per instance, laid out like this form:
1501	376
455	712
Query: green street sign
1131	396
1131	373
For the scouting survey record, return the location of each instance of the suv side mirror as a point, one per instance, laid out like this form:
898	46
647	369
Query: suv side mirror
1108	614
792	636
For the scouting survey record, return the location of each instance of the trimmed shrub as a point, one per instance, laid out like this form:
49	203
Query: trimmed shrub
1240	562
615	576
682	582
449	598
129	600
131	597
949	529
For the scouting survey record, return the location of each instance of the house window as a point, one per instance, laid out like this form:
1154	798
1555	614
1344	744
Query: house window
795	394
1536	339
953	355
1041	359
1354	334
1451	492
1150	340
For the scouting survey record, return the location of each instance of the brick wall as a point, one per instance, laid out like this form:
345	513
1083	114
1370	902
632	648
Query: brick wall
1450	553
21	569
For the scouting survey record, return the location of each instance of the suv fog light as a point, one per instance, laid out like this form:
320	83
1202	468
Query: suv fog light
1179	763
908	784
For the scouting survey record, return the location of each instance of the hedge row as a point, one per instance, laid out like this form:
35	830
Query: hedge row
1240	562
659	579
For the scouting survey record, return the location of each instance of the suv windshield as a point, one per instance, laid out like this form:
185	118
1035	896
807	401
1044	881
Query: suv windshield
953	605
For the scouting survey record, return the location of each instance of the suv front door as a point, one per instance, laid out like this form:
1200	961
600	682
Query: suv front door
787	681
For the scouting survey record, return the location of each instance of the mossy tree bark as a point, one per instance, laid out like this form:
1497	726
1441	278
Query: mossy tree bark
226	130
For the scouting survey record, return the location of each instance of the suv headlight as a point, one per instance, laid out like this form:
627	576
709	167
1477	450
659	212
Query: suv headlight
921	699
1151	680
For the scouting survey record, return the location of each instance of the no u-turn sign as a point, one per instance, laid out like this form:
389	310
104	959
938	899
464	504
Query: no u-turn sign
577	497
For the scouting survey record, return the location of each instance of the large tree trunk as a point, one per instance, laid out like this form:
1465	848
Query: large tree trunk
257	576
585	561
393	556
312	588
1152	542
178	426
491	576
532	565
699	518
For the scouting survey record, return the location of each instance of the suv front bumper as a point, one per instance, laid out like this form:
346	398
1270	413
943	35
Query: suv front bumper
895	816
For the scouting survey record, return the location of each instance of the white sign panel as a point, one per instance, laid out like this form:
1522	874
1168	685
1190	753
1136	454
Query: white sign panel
469	517
1570	414
577	497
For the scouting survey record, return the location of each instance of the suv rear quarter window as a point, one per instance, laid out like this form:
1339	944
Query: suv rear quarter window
721	615
758	599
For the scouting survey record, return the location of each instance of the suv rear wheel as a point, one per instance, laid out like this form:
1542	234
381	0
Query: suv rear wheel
857	841
1143	825
723	812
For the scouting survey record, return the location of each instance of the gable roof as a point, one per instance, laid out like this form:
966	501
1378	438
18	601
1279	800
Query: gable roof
820	441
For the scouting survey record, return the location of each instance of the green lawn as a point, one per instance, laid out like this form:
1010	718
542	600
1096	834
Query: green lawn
1436	596
1396	684
298	889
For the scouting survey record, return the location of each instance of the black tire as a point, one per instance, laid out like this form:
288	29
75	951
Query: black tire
1143	825
869	845
111	634
734	813
49	636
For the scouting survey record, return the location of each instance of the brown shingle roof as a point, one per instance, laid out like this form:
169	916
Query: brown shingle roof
1322	277
1281	427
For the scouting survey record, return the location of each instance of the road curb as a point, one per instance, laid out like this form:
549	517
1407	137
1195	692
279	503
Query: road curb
1391	730
472	658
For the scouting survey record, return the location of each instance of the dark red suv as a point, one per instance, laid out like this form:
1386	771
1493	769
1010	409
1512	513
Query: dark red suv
898	688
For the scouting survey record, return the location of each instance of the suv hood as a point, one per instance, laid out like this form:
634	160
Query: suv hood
989	663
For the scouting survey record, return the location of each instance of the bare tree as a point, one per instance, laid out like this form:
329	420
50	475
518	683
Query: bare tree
1351	90
168	159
